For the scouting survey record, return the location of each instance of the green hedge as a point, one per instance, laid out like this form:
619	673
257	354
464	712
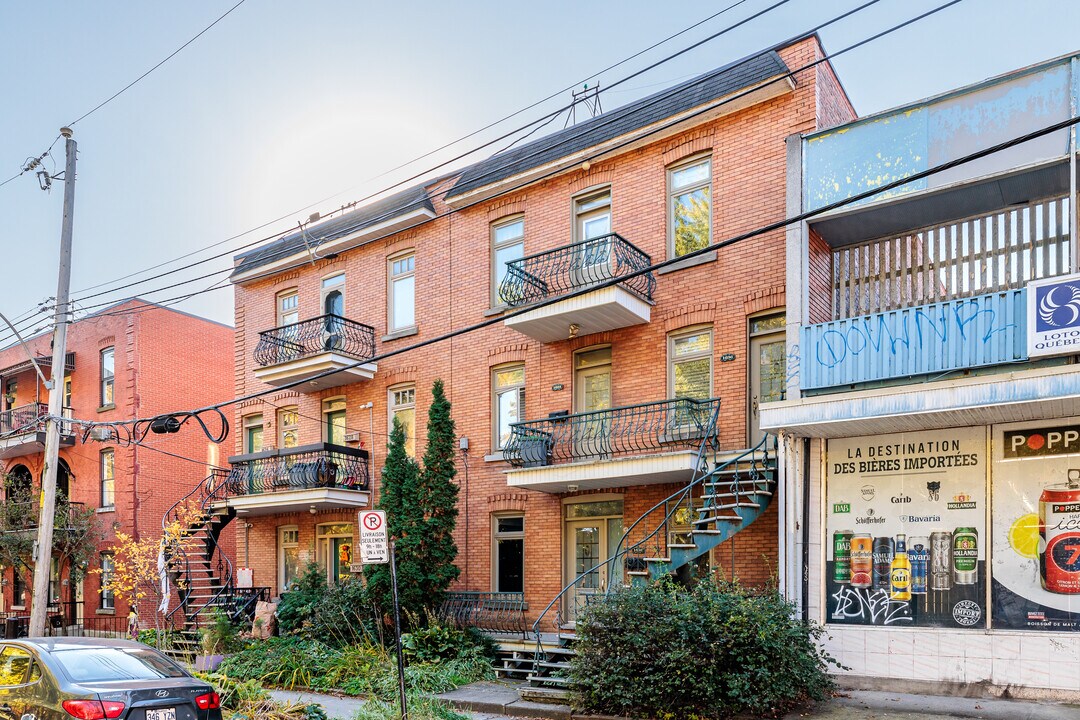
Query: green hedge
665	652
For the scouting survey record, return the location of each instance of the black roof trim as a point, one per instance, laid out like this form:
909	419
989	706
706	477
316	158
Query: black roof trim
654	108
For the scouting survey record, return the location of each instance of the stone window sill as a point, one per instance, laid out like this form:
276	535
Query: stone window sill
407	332
689	263
497	310
496	456
106	408
106	509
104	611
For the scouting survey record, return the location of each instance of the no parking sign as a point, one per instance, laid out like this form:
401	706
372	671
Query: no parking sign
374	544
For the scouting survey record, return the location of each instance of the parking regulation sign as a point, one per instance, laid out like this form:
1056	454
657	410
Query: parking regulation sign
374	544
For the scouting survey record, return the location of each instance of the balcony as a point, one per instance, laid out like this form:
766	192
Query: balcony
575	267
635	445
327	344
319	476
22	430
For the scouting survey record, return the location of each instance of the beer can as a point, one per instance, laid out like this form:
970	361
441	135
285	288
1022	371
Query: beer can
1059	539
862	561
883	556
965	555
919	554
842	556
941	560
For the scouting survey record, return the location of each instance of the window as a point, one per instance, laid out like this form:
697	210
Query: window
54	581
9	396
108	468
333	295
402	295
18	595
288	427
690	206
508	244
288	556
108	598
509	392
592	216
14	662
690	364
768	366
335	550
107	368
403	407
508	569
253	433
67	391
334	421
288	307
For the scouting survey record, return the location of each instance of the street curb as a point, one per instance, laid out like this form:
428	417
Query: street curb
959	707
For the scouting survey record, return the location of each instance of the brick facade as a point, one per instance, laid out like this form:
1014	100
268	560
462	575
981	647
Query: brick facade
453	281
164	360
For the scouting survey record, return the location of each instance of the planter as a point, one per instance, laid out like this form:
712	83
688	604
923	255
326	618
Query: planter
208	663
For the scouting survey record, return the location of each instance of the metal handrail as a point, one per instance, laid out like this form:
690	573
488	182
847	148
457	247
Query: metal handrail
629	430
571	267
325	333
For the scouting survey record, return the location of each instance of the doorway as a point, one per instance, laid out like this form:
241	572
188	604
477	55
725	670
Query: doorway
335	551
592	532
592	228
592	394
768	355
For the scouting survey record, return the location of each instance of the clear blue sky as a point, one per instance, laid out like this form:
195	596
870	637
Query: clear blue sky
285	102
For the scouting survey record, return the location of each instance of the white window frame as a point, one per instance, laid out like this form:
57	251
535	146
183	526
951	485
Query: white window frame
697	355
673	192
581	213
108	597
109	453
393	406
496	246
284	427
496	395
108	381
395	277
329	285
496	536
281	312
284	544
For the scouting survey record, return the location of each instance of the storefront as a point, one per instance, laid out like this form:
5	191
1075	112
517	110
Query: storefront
952	555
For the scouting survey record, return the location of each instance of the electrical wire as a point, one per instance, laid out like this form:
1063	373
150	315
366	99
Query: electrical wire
683	118
713	247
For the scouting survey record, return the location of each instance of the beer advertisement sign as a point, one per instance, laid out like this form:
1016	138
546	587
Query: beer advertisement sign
1036	526
906	525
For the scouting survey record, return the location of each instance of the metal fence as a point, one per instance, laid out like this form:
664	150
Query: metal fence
632	430
301	468
326	333
572	267
988	253
502	612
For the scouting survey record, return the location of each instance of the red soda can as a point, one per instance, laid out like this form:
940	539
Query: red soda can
1059	536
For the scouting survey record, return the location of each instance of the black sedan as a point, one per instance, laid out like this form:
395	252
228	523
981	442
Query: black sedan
92	679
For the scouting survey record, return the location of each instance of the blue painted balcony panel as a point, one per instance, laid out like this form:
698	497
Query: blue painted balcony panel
973	332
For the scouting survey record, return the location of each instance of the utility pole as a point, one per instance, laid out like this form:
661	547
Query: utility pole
43	550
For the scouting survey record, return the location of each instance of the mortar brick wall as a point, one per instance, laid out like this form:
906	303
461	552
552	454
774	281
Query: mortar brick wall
453	281
164	360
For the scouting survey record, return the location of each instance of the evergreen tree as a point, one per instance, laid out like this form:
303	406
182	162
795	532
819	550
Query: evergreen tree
438	497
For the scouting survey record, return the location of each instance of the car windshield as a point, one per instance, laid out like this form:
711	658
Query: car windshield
103	664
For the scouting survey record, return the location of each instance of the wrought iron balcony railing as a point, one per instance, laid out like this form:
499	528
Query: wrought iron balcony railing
634	430
300	468
573	267
29	418
326	333
489	611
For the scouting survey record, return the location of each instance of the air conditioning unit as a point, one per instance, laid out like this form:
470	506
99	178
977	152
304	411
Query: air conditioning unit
352	437
101	434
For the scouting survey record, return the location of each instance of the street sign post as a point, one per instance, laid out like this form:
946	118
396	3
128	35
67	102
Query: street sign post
374	543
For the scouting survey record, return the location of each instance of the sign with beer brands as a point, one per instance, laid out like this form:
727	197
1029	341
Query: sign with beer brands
906	524
1053	316
1036	525
374	543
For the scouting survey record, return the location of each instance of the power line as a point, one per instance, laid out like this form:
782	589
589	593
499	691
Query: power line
707	108
167	58
761	230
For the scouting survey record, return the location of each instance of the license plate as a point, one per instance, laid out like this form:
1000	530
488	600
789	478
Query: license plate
161	714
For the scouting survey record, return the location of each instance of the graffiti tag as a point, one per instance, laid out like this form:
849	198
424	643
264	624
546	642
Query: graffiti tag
869	606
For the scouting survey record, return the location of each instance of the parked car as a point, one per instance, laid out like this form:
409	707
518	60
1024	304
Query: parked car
94	679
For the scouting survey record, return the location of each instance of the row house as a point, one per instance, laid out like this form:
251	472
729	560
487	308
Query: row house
596	405
931	423
128	360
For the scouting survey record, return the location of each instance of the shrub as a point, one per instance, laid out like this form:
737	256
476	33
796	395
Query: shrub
420	708
282	661
299	603
711	652
344	615
234	692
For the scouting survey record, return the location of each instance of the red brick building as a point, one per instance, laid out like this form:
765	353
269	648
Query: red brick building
576	417
131	359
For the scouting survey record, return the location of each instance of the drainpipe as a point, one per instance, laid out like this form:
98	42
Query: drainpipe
783	517
1075	67
806	530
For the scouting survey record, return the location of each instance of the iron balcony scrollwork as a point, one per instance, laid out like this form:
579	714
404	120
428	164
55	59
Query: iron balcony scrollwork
488	611
632	430
301	468
573	267
326	333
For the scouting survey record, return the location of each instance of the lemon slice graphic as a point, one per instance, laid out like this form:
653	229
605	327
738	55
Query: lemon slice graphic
1024	536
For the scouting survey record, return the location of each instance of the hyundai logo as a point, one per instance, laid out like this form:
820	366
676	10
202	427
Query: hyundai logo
162	693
